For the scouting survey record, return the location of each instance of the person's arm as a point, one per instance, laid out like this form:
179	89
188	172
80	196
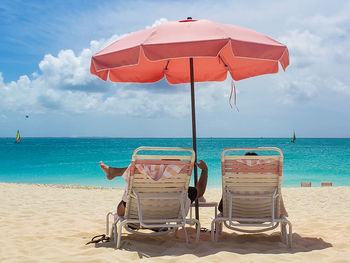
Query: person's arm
202	182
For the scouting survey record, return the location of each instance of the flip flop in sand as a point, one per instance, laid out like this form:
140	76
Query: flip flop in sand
203	229
98	238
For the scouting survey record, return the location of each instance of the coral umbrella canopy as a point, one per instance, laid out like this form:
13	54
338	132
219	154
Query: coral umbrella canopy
149	55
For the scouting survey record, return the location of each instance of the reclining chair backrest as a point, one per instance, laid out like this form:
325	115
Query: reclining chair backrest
154	202
254	176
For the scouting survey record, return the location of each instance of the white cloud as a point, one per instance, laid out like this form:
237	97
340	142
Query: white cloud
305	48
158	22
338	86
64	83
319	59
68	70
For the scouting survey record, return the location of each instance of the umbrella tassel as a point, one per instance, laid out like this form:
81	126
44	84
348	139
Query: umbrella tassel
233	89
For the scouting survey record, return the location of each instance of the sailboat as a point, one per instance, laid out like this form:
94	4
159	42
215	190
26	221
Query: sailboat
293	139
18	137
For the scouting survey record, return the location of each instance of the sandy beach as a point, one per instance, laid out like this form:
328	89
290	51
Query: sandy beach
50	223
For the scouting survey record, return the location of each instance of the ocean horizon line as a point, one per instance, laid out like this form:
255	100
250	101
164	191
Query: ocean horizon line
111	137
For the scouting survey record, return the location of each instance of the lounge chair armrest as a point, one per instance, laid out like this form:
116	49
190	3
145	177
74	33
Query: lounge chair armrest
112	212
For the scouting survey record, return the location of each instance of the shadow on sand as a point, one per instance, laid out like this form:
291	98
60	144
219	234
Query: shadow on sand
169	245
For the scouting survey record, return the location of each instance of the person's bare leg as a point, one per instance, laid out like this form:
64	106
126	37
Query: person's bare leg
121	209
112	172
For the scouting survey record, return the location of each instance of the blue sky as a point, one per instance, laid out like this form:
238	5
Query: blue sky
46	46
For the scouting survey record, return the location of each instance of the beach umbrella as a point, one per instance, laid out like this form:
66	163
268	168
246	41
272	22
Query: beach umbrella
189	51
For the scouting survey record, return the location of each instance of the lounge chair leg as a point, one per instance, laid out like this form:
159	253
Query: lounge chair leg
176	236
114	234
287	235
119	229
216	226
290	234
213	229
186	236
107	224
284	236
220	229
198	230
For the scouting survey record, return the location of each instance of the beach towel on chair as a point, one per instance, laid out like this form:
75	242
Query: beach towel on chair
155	172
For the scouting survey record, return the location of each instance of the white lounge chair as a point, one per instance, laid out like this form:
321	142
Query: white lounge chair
251	187
157	204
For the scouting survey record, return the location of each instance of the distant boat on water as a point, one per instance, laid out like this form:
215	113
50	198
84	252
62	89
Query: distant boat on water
293	138
18	137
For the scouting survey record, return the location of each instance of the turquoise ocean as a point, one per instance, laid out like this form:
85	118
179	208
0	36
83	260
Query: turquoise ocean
76	160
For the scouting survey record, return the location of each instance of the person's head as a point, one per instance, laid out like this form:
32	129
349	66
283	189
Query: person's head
251	153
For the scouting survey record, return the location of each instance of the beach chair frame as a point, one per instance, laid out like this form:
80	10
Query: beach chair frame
267	202
148	201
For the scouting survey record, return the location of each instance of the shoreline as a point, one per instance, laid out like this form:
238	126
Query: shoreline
77	186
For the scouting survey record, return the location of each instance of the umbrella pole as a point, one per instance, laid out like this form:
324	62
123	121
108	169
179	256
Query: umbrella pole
194	135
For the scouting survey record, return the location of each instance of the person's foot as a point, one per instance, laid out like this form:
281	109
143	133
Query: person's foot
105	169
